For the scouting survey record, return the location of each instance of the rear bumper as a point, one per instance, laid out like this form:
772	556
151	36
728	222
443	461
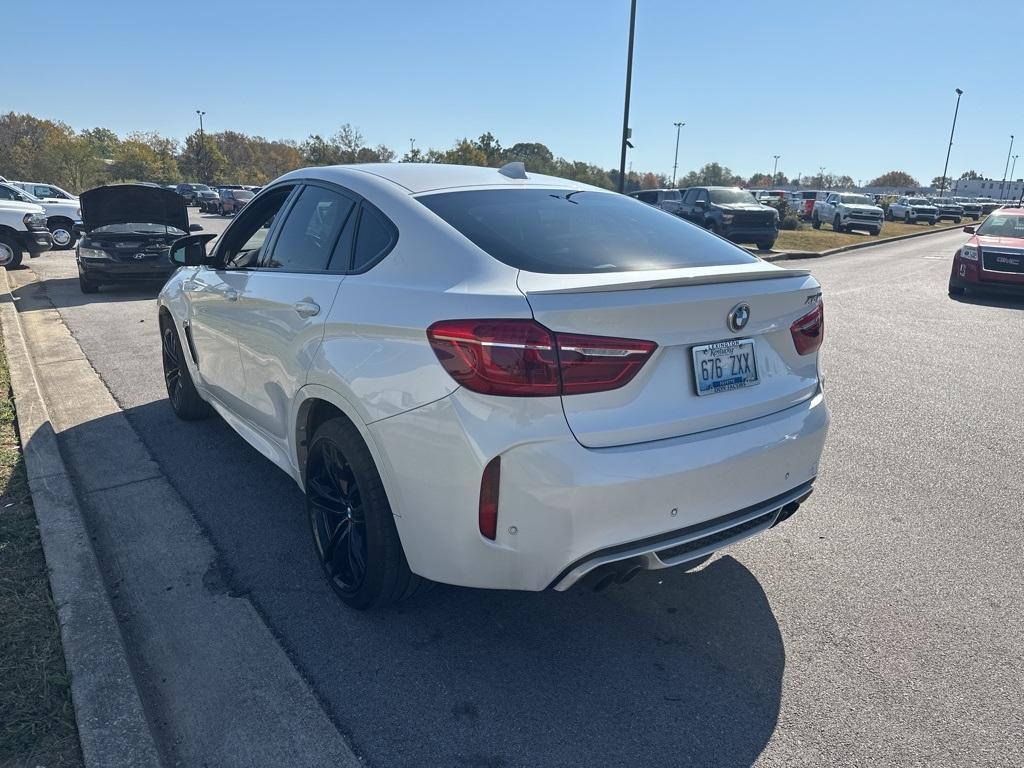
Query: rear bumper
565	510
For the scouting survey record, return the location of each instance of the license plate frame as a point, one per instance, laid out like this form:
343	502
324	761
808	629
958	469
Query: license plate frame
731	379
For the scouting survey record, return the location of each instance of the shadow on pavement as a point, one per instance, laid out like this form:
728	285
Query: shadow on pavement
673	668
62	292
989	300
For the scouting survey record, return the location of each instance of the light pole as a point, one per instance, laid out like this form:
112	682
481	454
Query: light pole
625	110
675	165
202	147
945	168
1006	167
1013	169
775	168
821	176
412	145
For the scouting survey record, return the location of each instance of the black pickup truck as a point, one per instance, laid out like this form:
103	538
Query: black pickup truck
732	213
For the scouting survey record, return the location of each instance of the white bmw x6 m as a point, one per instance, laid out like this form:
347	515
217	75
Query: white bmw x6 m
498	379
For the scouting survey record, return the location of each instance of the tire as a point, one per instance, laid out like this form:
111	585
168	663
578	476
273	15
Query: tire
87	286
931	222
837	225
815	221
353	528
956	220
63	235
765	245
11	253
888	215
875	232
220	209
181	391
906	218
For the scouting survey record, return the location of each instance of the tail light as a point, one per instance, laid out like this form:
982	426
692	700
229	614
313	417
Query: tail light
489	487
809	331
522	358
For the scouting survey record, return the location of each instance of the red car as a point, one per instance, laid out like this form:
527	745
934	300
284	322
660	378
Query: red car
993	259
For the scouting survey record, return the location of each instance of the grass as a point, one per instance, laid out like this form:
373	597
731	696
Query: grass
37	722
816	240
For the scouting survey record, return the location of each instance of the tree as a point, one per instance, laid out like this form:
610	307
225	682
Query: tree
760	180
201	159
135	161
970	175
894	179
942	182
412	156
712	174
102	141
318	151
649	181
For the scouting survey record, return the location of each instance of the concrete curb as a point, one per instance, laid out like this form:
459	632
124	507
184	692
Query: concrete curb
856	246
112	725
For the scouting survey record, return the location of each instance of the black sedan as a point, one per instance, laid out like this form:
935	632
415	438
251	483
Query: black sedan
127	234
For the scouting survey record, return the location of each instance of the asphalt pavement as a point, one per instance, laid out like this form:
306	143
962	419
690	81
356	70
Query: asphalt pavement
879	626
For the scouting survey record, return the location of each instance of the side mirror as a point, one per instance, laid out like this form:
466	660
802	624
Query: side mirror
194	228
190	251
969	230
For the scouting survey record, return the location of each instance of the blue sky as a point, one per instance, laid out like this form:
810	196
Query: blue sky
857	93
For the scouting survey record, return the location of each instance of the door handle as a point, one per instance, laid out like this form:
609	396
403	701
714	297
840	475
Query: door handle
306	308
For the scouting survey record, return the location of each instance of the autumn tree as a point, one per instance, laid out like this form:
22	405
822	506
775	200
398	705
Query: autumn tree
894	179
971	175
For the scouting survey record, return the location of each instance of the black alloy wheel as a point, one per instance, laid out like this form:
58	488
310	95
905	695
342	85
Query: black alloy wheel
181	391
337	517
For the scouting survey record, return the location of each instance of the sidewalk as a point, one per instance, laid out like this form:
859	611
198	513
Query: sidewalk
170	665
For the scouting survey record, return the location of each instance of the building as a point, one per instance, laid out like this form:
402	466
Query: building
988	188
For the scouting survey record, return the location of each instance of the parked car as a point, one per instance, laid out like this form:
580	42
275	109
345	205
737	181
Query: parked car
233	200
188	192
666	199
948	209
128	230
801	202
492	436
207	200
847	211
62	216
971	208
913	209
732	213
993	259
46	192
22	229
768	196
988	205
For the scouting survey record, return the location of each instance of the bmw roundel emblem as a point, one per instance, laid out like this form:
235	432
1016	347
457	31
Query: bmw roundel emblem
738	317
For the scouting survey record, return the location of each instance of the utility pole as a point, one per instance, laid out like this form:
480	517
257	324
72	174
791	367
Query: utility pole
775	168
202	148
412	145
1006	167
675	165
1013	169
625	111
945	168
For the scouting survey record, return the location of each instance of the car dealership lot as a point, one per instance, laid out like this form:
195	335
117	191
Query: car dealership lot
880	625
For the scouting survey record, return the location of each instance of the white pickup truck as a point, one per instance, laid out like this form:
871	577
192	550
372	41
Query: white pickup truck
847	211
61	215
913	209
22	228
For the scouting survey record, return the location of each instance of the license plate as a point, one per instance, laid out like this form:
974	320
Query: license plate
724	366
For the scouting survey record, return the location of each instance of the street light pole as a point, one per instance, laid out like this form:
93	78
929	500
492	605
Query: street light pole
202	147
821	176
412	145
945	168
675	165
1006	167
625	111
1013	169
775	168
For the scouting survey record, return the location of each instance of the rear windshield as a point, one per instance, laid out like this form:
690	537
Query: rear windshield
559	232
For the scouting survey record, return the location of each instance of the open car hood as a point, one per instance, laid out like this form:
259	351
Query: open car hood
135	204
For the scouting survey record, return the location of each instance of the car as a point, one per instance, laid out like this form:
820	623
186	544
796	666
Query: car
971	208
732	213
22	229
188	192
992	261
948	209
666	199
46	192
128	230
769	196
233	200
801	202
912	210
62	216
207	200
988	205
469	374
848	211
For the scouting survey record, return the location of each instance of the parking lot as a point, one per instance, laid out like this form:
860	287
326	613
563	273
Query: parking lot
879	626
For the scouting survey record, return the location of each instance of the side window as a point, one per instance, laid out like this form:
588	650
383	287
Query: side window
309	234
690	196
374	237
702	196
245	238
6	194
